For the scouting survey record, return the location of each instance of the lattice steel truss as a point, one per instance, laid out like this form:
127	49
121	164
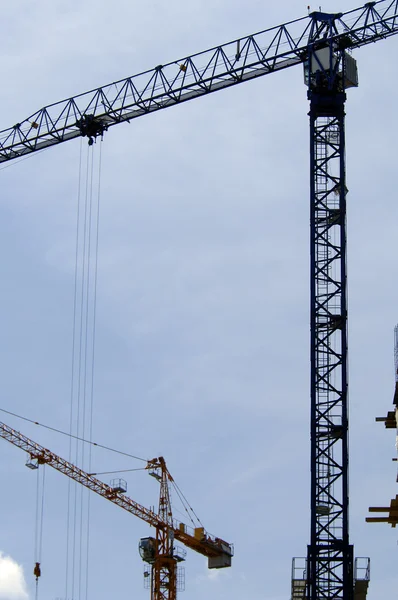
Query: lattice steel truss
312	41
330	556
209	545
249	57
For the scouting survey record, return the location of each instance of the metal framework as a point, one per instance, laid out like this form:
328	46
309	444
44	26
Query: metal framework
330	555
160	553
207	544
91	113
329	563
164	568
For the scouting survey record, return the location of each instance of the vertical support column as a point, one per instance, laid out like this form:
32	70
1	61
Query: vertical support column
164	568
330	556
164	579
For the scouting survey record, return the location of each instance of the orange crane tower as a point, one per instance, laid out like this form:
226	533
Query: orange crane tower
159	552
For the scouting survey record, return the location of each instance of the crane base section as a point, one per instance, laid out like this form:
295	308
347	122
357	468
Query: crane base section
300	587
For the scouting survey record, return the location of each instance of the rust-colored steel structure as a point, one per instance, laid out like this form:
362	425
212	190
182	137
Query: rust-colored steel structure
163	560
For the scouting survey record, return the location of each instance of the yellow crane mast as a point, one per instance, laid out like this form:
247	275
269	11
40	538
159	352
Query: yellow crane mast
159	552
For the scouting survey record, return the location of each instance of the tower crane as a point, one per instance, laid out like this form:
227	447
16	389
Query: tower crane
323	44
159	552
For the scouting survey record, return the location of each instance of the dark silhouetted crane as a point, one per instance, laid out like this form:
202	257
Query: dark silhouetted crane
322	43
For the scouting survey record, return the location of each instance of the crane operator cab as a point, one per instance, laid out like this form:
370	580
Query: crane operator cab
147	549
322	62
328	63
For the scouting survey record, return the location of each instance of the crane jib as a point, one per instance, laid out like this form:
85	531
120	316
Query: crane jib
215	549
90	114
320	42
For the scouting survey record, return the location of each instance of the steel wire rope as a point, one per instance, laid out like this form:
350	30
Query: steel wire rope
186	503
40	487
42	514
76	395
79	329
72	386
8	412
81	383
77	354
88	384
93	339
183	514
41	527
36	549
86	320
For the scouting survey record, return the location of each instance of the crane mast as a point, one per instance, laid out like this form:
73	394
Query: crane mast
321	43
330	555
164	577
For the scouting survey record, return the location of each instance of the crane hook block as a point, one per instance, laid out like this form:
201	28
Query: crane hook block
37	571
91	127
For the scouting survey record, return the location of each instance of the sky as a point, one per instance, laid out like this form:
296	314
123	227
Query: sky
202	311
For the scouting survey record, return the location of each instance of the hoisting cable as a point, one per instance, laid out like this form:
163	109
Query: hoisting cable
93	232
8	412
79	361
68	517
186	504
42	514
83	350
36	570
39	527
98	205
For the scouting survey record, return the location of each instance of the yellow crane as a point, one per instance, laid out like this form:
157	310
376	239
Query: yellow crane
158	552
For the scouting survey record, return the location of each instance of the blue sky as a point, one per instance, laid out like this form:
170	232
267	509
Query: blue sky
202	337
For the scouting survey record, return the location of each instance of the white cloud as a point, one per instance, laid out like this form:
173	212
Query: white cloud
12	580
209	576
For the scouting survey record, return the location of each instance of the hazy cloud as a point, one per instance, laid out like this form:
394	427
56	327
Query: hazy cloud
12	580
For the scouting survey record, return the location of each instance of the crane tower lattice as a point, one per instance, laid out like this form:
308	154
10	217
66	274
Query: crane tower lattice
322	43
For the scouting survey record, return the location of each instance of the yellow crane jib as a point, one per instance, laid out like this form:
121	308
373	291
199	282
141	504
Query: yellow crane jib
159	552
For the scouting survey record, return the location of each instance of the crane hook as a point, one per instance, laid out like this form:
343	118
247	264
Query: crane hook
37	571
